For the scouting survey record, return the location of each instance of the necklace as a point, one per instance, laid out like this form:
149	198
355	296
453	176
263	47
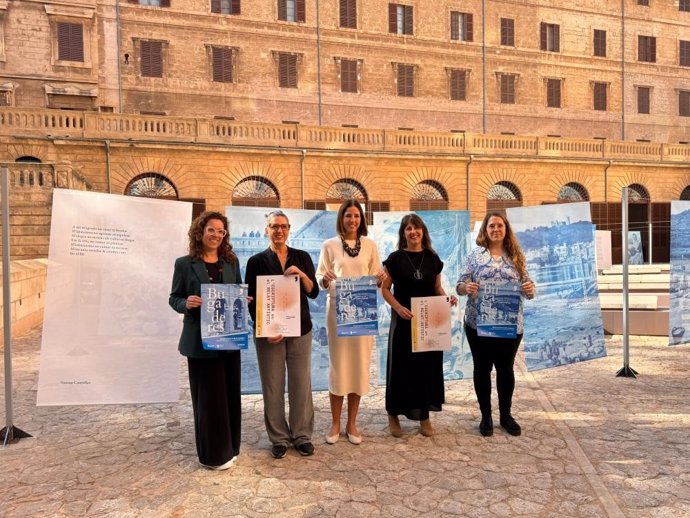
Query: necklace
417	273
352	252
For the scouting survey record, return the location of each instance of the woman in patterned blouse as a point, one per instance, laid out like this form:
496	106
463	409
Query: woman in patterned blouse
498	260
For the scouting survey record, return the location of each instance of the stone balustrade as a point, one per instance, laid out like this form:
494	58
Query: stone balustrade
58	123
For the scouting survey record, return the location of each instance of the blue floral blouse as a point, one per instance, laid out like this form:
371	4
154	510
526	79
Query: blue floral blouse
481	266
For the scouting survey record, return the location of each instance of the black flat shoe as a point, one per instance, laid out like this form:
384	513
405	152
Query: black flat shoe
305	449
510	425
486	427
278	451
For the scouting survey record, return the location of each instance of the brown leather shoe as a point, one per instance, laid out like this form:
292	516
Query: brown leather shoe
425	428
394	425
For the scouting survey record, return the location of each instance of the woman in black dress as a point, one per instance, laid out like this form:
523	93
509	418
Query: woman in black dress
414	381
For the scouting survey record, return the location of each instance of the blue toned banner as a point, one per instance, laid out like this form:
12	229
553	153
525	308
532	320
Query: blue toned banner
450	237
679	303
356	310
499	303
224	313
558	242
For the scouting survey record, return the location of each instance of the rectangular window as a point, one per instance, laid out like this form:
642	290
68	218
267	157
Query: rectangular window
70	41
684	5
549	37
508	32
646	49
553	93
507	89
151	58
400	19
643	96
458	85
405	80
222	65
287	70
643	2
348	14
291	10
684	103
599	43
225	6
684	53
461	26
600	91
348	76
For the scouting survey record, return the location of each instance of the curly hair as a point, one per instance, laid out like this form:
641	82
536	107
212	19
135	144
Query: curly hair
417	222
511	245
196	234
340	228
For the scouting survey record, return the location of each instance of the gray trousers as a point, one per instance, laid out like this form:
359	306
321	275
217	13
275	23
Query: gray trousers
295	354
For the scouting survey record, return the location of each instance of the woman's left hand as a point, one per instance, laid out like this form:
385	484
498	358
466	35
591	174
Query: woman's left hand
528	289
453	300
293	270
380	277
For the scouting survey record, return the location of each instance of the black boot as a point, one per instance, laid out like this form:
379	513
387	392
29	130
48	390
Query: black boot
510	425
486	425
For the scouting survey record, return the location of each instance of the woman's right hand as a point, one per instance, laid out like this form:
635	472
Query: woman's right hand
403	312
193	301
472	288
328	278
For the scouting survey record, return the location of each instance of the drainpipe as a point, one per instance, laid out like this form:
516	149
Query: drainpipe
107	165
484	66
606	183
301	172
622	69
119	66
467	183
318	61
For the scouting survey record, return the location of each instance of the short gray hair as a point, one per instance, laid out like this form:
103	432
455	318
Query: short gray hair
276	214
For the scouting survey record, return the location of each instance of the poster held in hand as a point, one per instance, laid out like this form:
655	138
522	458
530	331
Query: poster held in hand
431	324
277	305
224	313
356	309
499	303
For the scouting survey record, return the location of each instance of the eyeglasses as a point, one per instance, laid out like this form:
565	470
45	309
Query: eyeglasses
284	228
213	232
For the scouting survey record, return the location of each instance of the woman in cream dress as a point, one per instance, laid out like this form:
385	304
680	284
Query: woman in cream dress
349	254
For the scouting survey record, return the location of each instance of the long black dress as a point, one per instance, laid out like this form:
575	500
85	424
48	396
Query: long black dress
414	381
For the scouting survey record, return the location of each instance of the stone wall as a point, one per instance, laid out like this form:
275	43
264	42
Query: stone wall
28	289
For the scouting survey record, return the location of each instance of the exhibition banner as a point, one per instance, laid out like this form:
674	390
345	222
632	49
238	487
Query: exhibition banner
224	311
679	302
277	306
430	323
356	310
109	335
559	246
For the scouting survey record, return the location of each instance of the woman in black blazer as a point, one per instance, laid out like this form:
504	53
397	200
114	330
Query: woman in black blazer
214	376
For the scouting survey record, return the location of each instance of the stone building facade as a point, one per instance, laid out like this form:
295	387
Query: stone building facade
408	105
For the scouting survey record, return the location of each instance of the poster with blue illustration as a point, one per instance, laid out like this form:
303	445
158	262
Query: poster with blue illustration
635	253
499	303
450	238
356	310
224	317
679	301
558	242
308	230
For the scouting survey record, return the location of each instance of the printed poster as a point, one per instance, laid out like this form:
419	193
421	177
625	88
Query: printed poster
679	303
224	312
356	310
109	335
562	324
430	324
277	305
499	303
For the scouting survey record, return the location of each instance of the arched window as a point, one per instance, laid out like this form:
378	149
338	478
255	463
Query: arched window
572	192
346	189
429	195
503	195
255	191
638	193
27	159
685	195
152	185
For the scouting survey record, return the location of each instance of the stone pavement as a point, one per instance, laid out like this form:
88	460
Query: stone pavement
593	445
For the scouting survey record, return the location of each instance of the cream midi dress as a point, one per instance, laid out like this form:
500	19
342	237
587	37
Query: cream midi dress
349	357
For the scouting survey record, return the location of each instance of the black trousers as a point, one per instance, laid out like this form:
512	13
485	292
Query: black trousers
215	389
488	353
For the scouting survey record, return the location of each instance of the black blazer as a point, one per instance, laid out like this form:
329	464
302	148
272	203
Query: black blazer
189	275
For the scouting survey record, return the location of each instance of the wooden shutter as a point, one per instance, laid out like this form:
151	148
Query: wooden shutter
409	24
556	38
684	104
469	27
507	32
684	54
348	14
287	70
282	10
458	87
70	42
643	100
151	58
553	93
393	18
542	36
454	25
236	7
600	96
165	3
507	89
222	65
406	80
215	6
348	75
301	11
